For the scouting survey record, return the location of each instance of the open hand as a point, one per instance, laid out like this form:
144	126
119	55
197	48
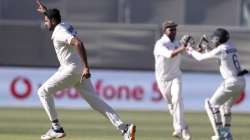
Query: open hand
41	7
187	40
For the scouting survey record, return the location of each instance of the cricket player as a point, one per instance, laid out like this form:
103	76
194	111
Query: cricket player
218	107
73	72
167	53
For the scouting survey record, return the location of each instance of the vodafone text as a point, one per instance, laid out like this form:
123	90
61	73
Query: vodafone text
105	90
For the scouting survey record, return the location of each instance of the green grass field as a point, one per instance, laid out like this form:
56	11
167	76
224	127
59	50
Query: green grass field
29	124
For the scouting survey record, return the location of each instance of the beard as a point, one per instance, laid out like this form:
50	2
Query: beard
172	38
51	28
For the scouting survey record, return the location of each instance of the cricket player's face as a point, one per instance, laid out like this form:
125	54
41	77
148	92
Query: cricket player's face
171	33
215	41
48	24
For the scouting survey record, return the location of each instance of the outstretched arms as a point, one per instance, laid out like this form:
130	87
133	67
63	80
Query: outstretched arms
215	53
177	51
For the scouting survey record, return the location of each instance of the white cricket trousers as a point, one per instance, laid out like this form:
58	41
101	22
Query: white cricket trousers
227	92
69	77
223	100
171	91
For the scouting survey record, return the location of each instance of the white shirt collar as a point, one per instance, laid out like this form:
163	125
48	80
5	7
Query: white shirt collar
55	30
165	37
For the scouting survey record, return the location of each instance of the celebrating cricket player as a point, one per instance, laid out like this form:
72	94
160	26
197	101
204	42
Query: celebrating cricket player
73	72
218	107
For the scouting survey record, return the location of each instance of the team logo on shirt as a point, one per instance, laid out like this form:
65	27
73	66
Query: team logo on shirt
231	50
71	30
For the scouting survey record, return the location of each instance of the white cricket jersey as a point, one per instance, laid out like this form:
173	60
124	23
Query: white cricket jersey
66	54
227	54
166	68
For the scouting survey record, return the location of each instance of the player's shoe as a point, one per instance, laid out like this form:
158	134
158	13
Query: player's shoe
217	138
53	134
129	132
226	134
186	135
177	134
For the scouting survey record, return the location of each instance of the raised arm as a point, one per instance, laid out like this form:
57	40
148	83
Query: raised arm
41	7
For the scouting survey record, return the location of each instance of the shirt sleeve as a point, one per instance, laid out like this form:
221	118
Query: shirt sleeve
64	36
161	49
215	53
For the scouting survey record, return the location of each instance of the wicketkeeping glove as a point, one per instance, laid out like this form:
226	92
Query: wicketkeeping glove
187	40
204	43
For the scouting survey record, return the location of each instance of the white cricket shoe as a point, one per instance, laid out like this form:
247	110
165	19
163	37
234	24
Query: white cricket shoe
186	135
217	138
53	134
183	134
177	134
129	132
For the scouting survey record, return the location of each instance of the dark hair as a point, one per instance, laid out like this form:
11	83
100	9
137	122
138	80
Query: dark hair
53	14
222	34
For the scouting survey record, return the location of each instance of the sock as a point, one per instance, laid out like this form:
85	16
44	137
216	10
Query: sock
56	124
123	128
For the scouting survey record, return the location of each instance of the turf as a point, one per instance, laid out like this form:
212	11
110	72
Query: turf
29	124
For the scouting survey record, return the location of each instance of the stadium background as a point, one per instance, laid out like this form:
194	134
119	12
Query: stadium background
119	36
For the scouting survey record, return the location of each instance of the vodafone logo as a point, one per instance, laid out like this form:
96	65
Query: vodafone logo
109	91
20	87
119	92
